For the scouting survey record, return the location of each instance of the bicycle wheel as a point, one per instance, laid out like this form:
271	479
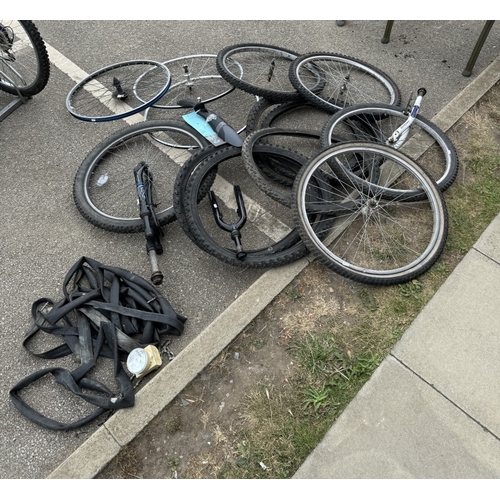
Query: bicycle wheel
268	238
24	62
347	81
261	70
193	77
104	189
423	141
119	90
373	238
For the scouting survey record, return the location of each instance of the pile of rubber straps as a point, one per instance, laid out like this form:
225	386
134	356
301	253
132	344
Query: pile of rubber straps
106	311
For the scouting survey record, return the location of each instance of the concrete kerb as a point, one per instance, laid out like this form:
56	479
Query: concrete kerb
95	453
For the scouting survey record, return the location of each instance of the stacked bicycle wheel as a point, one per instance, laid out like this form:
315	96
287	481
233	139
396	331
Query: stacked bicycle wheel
317	171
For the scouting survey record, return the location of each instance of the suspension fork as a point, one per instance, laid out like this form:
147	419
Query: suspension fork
235	227
398	137
152	230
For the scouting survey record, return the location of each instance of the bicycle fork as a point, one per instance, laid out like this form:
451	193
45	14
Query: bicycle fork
234	228
152	230
399	135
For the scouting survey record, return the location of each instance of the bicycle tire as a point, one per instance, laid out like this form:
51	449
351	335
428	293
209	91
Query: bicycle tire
274	181
259	69
303	113
257	113
265	114
373	239
347	81
202	230
113	206
24	61
425	142
118	90
181	181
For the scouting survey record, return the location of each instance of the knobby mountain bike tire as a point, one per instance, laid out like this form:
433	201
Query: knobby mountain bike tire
181	181
346	81
119	90
24	61
271	245
257	113
425	142
299	114
104	189
276	180
261	70
375	236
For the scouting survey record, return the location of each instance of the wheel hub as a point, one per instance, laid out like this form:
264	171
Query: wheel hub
370	206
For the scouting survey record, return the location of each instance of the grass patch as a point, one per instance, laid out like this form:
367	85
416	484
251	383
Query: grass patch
334	358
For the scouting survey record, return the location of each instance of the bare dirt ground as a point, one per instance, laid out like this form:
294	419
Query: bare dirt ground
197	434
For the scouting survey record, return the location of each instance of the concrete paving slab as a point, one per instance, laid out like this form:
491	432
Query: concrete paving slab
454	344
489	242
399	426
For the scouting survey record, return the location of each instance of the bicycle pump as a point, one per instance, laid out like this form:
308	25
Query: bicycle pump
152	229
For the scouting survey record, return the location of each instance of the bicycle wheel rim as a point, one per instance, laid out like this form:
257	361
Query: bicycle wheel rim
347	82
372	240
104	189
424	141
99	97
193	77
259	69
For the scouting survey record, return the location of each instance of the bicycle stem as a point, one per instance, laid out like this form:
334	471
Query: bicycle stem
396	135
